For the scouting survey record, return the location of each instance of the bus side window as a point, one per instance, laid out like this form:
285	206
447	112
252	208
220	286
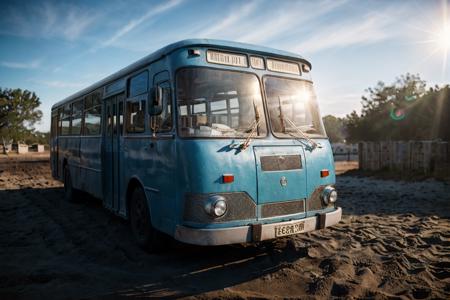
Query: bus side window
138	84
60	114
54	124
120	115
65	119
92	120
93	114
163	121
77	117
135	119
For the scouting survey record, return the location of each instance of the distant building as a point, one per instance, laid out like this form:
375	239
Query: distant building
37	148
19	148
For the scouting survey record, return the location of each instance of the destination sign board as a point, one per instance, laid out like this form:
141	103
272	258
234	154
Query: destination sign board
223	58
283	66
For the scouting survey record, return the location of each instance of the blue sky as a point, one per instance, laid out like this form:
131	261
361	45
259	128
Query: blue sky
56	48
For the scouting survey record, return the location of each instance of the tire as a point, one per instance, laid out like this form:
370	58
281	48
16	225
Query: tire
140	222
70	194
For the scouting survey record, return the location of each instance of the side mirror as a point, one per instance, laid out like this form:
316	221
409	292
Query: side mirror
155	101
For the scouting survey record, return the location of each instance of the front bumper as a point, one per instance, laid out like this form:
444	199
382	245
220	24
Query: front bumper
251	233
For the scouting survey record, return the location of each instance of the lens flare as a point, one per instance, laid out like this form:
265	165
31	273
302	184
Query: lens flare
410	98
397	114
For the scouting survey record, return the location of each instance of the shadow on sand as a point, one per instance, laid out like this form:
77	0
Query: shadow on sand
90	243
83	251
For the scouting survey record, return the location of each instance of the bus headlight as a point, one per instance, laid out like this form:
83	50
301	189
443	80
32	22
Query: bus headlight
329	195
216	206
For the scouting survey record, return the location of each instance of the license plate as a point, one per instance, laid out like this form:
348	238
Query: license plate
283	230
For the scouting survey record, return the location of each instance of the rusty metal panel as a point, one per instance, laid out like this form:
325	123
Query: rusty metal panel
240	206
282	208
281	162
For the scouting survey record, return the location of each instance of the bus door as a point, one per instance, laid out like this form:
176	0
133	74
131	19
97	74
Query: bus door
112	183
162	162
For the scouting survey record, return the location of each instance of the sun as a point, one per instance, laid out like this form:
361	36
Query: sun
435	34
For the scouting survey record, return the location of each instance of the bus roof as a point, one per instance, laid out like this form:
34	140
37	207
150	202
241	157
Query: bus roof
236	46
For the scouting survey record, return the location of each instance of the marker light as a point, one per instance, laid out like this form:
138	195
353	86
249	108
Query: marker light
194	52
227	178
306	68
324	173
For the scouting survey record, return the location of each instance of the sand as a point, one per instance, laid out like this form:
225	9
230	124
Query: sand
393	243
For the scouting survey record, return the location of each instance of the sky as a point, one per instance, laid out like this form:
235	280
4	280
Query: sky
56	48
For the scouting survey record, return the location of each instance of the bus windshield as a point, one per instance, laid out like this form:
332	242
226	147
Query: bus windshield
219	103
293	109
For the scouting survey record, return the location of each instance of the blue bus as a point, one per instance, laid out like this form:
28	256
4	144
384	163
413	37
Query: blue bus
210	142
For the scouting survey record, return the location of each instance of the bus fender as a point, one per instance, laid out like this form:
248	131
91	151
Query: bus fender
133	183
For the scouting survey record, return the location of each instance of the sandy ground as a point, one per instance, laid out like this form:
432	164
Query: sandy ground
345	166
393	243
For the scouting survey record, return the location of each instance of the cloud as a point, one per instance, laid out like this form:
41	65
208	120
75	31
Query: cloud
284	20
153	11
59	84
234	18
21	65
77	24
47	20
368	29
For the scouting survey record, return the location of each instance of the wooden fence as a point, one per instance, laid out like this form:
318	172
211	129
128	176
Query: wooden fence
427	157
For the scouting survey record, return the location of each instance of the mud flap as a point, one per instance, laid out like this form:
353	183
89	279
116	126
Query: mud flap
321	221
256	232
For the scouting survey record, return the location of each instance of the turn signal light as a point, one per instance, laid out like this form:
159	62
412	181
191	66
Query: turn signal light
227	178
324	173
194	52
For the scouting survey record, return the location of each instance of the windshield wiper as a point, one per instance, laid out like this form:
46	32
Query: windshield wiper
252	129
298	130
283	127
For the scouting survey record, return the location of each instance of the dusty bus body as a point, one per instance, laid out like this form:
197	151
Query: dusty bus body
210	142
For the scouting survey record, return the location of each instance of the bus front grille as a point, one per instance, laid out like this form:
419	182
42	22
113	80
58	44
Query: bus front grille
282	208
240	206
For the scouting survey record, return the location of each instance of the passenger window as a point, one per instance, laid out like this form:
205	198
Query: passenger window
54	125
77	115
163	121
138	84
135	116
60	114
120	116
93	114
93	120
65	119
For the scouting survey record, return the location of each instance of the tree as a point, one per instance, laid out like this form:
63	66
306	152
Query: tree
404	110
335	128
18	113
37	137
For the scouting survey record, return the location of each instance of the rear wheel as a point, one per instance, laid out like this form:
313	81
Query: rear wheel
69	191
141	226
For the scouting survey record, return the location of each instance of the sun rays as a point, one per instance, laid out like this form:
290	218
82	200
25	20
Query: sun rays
438	38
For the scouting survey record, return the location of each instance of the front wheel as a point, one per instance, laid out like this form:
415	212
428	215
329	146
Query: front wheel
140	221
